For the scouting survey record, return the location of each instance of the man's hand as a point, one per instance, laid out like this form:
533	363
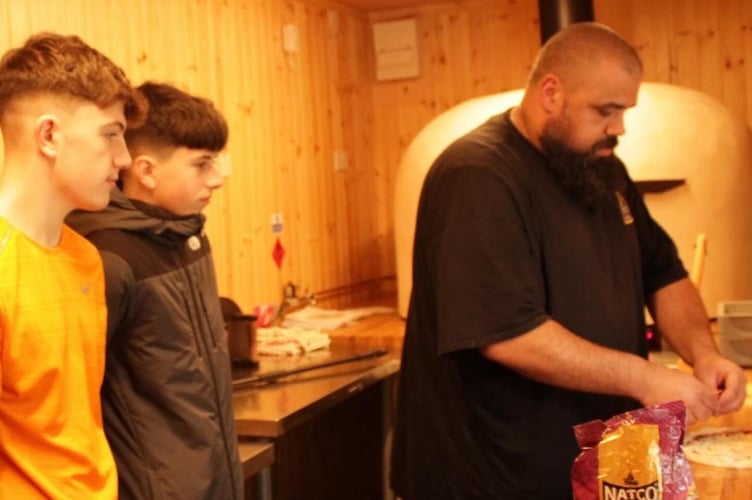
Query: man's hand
663	384
725	379
680	316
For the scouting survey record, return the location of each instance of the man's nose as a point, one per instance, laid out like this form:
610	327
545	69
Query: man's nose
616	126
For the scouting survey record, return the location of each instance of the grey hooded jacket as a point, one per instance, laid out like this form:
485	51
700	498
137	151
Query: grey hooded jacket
167	393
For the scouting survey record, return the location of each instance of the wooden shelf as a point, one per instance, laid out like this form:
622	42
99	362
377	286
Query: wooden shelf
658	185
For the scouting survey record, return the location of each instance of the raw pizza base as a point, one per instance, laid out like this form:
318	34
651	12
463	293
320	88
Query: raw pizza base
720	447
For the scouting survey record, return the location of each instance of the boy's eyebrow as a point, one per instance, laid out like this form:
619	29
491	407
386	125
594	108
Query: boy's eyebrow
117	123
205	156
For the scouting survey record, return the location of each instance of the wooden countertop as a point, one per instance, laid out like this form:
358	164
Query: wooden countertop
719	483
380	331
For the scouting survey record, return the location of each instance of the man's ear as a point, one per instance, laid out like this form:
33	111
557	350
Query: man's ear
549	92
142	170
47	135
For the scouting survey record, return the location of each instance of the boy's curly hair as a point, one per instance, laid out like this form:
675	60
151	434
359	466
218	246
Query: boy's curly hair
49	63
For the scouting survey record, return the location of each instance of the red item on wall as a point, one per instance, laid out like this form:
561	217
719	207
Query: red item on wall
278	253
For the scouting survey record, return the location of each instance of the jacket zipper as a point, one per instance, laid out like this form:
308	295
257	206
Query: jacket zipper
201	330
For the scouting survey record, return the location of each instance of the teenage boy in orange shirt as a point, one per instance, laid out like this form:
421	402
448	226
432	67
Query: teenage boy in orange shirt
64	108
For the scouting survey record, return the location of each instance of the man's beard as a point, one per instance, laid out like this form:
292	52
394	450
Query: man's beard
591	180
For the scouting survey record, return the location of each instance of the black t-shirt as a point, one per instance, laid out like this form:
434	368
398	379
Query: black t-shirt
499	249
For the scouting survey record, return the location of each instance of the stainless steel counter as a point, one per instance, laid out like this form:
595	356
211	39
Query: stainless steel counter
256	456
346	407
271	410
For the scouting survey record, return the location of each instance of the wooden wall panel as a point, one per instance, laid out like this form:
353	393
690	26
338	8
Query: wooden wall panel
703	45
466	49
289	113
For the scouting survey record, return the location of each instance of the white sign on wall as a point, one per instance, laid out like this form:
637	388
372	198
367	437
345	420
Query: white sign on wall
396	47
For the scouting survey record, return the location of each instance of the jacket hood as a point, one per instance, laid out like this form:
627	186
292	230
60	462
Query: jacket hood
133	215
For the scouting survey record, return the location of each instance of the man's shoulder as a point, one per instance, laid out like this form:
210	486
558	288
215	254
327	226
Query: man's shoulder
493	141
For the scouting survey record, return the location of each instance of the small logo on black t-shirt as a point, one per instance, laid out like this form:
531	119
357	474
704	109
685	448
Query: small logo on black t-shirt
626	213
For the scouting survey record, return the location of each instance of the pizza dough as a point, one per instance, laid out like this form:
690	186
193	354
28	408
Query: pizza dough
720	447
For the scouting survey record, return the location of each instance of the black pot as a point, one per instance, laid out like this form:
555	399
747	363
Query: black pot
241	334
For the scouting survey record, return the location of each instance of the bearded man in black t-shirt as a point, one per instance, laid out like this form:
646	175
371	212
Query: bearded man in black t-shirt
534	257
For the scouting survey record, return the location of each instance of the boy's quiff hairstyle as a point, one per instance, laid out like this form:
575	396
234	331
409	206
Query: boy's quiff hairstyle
176	119
49	63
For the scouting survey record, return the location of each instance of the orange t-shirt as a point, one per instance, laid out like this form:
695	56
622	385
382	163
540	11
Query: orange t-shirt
52	351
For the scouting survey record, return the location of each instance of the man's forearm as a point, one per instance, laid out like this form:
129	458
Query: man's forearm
553	355
679	314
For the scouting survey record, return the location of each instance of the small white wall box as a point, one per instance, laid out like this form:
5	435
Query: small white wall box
290	39
396	47
735	331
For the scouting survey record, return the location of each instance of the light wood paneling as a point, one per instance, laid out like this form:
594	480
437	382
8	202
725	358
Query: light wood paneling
289	113
369	5
466	49
703	45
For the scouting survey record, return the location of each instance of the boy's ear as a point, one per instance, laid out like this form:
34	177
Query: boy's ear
46	134
142	169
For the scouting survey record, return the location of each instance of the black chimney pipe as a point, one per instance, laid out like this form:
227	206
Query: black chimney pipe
558	14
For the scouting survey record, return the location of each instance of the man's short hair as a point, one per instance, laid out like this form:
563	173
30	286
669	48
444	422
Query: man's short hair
573	52
176	119
49	63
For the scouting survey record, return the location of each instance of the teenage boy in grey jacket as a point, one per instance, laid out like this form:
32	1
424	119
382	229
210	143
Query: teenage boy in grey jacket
167	398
